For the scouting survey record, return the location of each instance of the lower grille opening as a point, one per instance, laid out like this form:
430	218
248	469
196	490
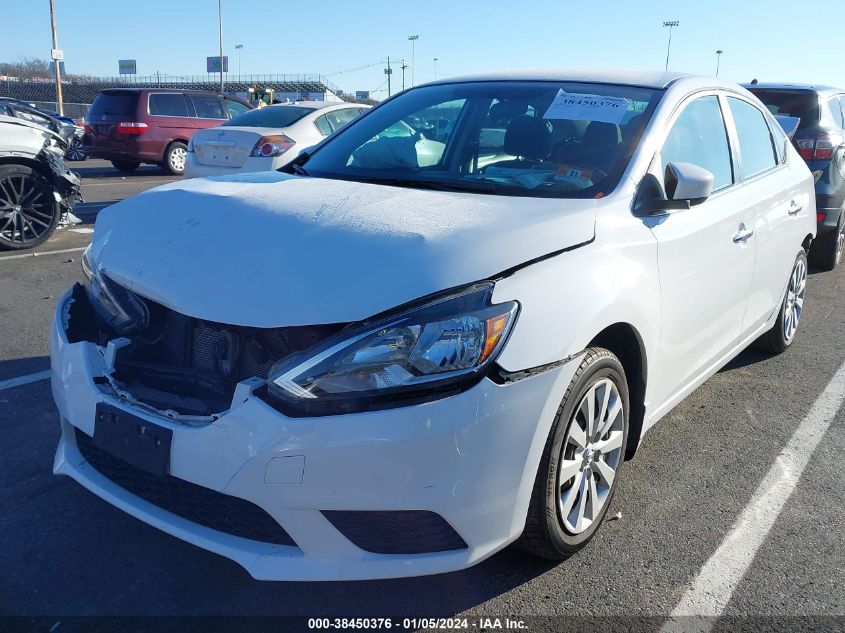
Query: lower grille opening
396	531
204	506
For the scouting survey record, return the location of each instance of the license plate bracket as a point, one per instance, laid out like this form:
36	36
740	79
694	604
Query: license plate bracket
132	439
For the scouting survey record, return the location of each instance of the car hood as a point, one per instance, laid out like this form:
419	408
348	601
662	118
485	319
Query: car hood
273	250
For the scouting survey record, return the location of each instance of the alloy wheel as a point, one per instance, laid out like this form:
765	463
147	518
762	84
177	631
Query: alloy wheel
75	151
26	209
591	455
177	159
840	240
794	304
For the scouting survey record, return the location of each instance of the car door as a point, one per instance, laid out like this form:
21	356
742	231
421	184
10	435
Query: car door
776	195
705	253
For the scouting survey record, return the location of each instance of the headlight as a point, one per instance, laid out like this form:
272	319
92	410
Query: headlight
121	309
423	353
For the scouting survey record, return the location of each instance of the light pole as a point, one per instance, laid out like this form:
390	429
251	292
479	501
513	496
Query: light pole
413	39
56	61
435	69
239	47
671	24
220	19
403	65
718	59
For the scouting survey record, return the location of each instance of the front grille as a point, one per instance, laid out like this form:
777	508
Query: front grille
207	507
396	531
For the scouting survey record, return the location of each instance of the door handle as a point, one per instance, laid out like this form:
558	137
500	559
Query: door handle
742	235
794	208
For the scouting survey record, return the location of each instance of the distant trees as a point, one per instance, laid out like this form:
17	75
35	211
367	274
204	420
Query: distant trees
26	68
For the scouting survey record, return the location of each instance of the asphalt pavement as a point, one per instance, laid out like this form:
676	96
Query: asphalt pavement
66	553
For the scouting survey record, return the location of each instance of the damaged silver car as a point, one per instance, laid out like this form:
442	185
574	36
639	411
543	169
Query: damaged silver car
37	190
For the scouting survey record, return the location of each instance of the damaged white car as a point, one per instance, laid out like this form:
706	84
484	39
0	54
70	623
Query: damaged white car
36	187
378	366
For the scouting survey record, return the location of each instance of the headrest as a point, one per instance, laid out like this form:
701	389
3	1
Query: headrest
599	133
529	137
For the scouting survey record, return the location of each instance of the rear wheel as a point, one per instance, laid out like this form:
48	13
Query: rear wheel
578	471
826	252
175	157
781	336
126	165
29	211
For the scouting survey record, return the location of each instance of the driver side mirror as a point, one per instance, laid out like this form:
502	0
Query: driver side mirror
686	185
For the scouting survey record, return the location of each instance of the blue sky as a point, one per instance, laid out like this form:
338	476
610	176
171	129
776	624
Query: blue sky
772	40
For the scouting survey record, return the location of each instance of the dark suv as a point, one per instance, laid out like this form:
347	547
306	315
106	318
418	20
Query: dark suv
820	139
130	126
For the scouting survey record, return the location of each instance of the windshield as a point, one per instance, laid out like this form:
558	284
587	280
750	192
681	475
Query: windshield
273	116
511	138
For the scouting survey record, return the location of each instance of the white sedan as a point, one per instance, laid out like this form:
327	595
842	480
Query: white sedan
265	138
388	362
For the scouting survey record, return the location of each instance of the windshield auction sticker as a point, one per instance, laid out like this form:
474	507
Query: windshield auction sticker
579	107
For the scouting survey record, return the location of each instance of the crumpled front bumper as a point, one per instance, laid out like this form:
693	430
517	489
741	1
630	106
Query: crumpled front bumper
471	458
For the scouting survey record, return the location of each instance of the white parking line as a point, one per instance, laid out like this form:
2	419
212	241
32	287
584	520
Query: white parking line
716	582
24	380
43	253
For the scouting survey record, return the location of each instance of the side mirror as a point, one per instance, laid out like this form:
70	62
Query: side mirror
685	186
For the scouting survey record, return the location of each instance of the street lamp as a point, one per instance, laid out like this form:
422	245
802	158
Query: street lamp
435	69
239	47
718	59
403	65
671	24
413	39
57	56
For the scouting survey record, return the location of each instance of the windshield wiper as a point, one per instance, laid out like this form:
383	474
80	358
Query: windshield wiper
437	185
299	170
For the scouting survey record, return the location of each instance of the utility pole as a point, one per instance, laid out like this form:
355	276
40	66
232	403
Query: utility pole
220	19
671	24
239	47
403	66
57	58
435	68
718	59
388	71
413	39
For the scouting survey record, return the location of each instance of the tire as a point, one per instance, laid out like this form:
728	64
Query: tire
780	337
826	252
548	531
29	212
75	152
126	166
175	157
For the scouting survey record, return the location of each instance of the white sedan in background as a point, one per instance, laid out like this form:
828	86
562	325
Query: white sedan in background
266	138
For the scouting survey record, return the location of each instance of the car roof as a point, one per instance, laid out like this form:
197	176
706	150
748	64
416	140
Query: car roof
641	78
820	89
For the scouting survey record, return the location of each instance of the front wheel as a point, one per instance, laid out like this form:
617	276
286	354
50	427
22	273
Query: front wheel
75	151
584	451
780	337
29	212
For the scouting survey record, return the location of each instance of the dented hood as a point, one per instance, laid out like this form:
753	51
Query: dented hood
273	250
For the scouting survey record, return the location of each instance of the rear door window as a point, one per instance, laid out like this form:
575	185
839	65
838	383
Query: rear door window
339	118
841	110
699	137
323	125
168	104
756	149
208	107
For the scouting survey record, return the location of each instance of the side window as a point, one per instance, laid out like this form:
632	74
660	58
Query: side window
698	136
323	125
235	108
339	118
208	107
755	140
780	141
841	110
5	110
164	104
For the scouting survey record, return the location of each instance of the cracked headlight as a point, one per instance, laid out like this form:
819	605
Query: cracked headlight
419	354
122	310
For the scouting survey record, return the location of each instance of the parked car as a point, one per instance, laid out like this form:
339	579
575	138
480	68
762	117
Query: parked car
65	127
36	187
130	126
820	139
265	138
367	368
